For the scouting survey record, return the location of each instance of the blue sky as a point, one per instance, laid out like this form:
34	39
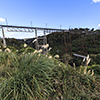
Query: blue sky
67	13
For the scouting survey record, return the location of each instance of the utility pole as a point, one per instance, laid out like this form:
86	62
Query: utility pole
6	21
31	24
46	25
60	26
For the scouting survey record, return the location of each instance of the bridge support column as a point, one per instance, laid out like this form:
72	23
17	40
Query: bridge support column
4	41
37	39
45	41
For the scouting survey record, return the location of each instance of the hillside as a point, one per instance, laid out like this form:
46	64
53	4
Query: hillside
66	44
34	76
83	44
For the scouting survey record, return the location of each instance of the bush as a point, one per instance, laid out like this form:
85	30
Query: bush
35	76
97	59
25	50
70	84
25	77
13	49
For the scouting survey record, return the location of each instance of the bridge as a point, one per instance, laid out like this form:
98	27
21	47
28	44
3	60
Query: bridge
10	28
66	36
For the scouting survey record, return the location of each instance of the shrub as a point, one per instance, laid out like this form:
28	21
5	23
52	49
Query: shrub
27	76
13	49
36	77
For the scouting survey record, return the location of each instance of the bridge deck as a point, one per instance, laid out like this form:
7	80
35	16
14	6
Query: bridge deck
38	28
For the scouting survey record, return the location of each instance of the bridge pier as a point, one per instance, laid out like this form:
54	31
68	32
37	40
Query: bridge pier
4	41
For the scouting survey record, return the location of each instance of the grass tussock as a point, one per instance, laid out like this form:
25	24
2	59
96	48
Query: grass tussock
33	76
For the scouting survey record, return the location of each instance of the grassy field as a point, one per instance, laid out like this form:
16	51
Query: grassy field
28	75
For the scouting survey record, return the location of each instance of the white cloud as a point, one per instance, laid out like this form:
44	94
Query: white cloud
2	20
96	1
98	25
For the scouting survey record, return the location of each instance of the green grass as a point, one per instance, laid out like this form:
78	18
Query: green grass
27	75
36	77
